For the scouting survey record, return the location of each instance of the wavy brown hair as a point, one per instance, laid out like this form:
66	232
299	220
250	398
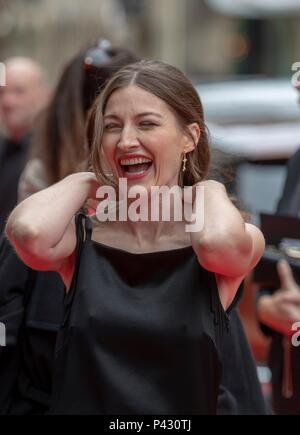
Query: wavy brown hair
174	88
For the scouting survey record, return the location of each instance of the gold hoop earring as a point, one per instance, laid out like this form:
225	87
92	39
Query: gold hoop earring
184	160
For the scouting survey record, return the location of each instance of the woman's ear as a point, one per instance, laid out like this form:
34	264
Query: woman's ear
193	137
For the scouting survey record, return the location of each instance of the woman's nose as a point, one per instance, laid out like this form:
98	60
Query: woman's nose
128	139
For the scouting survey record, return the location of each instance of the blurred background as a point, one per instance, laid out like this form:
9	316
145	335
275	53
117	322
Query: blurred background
211	38
239	54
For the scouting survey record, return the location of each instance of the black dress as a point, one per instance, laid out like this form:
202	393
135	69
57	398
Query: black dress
240	392
142	334
31	306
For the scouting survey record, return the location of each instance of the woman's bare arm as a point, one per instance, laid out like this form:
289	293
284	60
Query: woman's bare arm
41	228
226	245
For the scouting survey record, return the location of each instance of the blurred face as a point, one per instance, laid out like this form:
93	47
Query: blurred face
142	138
21	99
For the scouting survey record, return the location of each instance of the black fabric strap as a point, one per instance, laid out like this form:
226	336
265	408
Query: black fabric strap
88	228
79	218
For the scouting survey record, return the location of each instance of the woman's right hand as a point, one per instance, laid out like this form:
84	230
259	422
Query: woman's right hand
92	202
282	309
94	184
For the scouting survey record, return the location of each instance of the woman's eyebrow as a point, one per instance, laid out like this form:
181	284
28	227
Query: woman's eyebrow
111	115
139	115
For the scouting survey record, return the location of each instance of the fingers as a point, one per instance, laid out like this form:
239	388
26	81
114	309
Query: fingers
291	298
286	276
278	312
92	204
289	314
293	314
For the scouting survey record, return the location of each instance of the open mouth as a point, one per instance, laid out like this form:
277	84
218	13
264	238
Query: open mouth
135	166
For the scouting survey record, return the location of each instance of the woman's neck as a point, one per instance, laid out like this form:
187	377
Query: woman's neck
142	236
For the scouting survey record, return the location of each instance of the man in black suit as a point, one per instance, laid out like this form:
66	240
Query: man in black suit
21	99
279	309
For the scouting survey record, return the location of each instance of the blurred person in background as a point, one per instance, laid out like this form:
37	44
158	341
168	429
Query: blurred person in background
21	100
279	309
31	303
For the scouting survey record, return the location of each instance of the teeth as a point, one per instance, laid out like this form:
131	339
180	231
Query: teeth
136	161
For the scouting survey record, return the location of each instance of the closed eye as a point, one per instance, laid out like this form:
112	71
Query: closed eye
148	124
112	126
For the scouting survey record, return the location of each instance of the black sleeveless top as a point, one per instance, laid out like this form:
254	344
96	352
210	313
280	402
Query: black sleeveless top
142	334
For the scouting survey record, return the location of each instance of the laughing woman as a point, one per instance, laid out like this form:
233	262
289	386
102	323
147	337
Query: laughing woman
147	302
